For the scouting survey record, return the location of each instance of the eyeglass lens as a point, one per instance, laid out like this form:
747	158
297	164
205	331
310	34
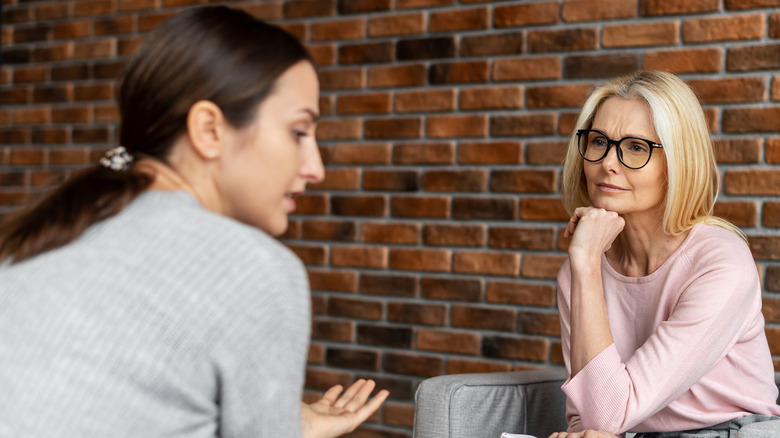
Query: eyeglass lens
634	152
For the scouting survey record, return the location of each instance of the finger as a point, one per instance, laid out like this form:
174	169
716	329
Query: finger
361	396
369	408
331	395
349	393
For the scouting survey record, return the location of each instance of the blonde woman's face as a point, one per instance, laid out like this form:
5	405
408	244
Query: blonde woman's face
611	185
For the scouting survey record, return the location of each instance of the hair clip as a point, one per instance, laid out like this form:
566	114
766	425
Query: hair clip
117	159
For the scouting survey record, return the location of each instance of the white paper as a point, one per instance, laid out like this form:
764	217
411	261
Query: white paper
516	435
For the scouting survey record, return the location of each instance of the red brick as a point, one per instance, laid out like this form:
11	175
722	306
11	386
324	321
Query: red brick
420	207
507	152
424	153
397	76
391	180
357	6
445	341
95	49
737	150
537	323
459	20
312	203
377	103
359	205
765	247
593	10
389	285
770	215
520	348
406	4
421	314
339	179
522	294
454	235
128	46
148	22
736	27
528	181
362	153
399	415
753	58
32	115
310	254
492	44
425	101
352	358
68	157
640	35
340	231
762	119
487	263
413	364
268	10
59	52
94	92
546	152
459	72
426	48
36	73
458	126
333	280
91	135
455	180
752	182
383	336
740	213
324	379
401	24
339	129
461	366
329	330
493	208
535	124
316	354
338	30
526	14
522	238
420	259
14	198
565	40
730	90
483	318
491	98
15	95
772	282
554	96
453	289
309	8
51	136
393	128
527	69
541	266
676	7
355	308
342	78
322	54
366	53
543	209
774	25
750	4
599	66
773	150
400	233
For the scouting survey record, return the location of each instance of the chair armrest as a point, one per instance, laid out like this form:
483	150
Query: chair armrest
485	405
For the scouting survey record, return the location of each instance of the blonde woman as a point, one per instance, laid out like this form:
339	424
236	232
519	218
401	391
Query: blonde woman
660	301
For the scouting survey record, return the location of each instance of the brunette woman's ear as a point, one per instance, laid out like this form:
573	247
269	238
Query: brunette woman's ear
206	129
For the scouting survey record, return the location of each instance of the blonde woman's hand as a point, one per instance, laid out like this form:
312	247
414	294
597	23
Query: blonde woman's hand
334	415
592	231
583	434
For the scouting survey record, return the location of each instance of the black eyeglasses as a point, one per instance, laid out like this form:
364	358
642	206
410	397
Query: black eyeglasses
633	152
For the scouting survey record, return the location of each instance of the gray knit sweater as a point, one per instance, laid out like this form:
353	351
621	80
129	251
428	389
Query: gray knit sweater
164	321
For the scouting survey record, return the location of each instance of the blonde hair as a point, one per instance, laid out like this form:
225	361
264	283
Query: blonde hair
693	180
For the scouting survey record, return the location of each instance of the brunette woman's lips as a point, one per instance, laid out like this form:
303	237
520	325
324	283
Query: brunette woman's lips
290	201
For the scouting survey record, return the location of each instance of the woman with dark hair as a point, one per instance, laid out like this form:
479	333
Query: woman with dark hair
146	295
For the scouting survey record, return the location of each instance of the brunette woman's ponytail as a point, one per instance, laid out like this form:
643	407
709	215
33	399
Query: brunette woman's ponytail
211	53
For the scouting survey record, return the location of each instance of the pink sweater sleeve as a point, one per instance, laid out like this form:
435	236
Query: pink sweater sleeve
720	289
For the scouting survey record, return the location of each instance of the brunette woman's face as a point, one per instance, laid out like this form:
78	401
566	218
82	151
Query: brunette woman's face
276	156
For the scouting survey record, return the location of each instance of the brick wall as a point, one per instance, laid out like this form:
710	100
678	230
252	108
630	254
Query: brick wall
433	243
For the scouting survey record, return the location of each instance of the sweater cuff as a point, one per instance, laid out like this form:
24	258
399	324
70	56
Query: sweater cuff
591	390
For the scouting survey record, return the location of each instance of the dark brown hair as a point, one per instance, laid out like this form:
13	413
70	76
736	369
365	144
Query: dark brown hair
217	54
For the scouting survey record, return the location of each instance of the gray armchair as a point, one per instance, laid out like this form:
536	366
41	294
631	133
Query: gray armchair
528	402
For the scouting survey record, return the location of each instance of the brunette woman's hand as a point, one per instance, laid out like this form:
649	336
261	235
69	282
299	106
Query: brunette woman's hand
592	231
583	434
334	415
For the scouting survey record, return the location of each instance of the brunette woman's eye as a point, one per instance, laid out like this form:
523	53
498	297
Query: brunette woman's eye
298	134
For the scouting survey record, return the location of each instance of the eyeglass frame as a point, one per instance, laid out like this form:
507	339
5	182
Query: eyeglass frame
610	142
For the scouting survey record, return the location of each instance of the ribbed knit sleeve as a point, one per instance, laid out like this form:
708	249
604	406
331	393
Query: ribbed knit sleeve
689	350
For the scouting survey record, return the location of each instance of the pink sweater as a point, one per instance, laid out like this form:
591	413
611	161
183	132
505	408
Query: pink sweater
689	346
